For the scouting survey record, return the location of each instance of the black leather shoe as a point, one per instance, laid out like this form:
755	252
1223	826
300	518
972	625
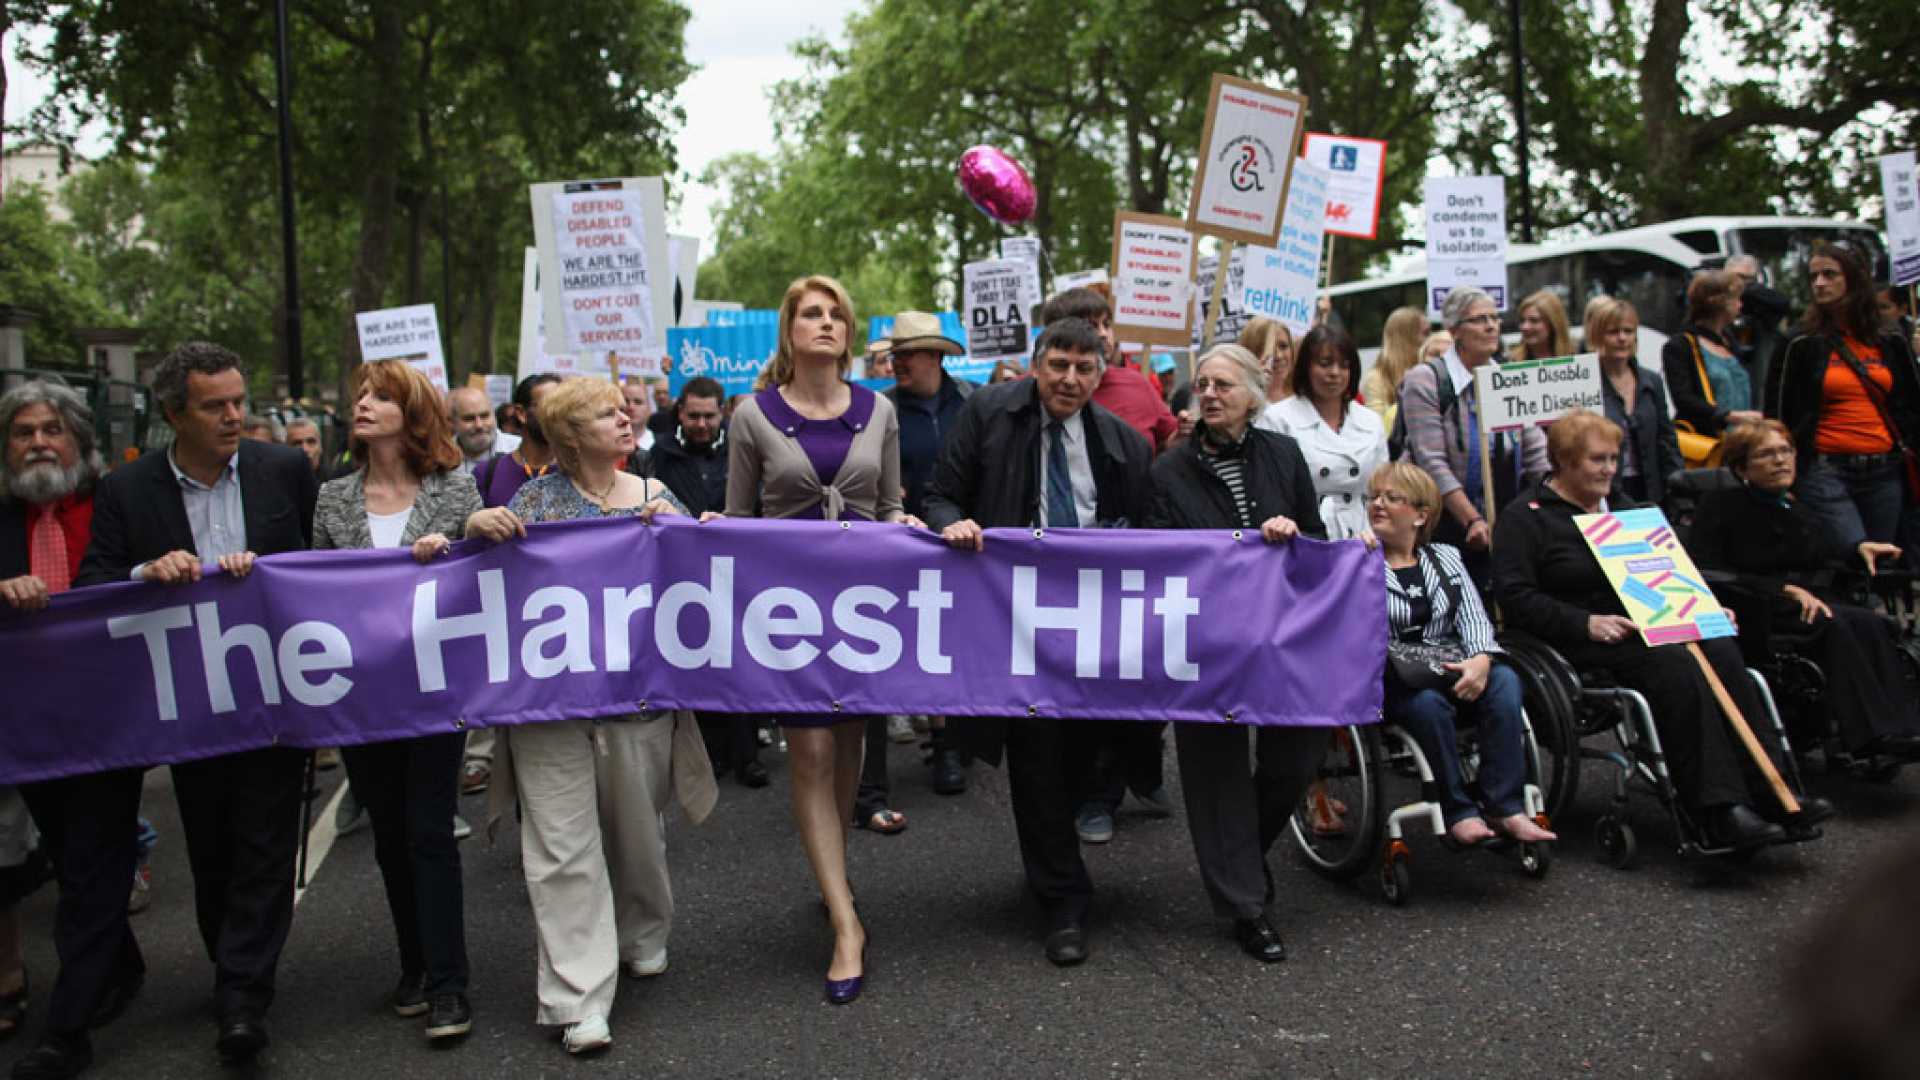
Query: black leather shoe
1813	811
451	1017
116	999
949	775
1259	939
55	1058
1738	826
410	996
754	774
1067	946
242	1036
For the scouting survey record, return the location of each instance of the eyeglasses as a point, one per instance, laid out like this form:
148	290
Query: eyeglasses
1485	319
1772	453
1390	497
1222	387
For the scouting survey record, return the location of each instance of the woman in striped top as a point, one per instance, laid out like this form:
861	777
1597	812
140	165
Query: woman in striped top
1431	599
1232	476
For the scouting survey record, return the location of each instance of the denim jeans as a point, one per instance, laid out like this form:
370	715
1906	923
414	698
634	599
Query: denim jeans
1858	496
1428	716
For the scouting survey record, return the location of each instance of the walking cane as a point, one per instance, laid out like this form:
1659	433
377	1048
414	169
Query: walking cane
306	815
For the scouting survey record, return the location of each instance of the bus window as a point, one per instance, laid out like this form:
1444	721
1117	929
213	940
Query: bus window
1364	313
1654	286
1552	274
1783	254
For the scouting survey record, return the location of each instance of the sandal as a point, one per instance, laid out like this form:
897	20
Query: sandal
13	1009
884	821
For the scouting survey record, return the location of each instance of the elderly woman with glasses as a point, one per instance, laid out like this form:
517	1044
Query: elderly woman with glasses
1231	475
1781	561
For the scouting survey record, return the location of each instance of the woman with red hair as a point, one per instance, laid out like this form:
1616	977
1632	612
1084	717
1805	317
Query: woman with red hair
406	492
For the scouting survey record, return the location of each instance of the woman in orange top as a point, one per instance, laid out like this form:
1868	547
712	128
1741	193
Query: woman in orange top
1850	395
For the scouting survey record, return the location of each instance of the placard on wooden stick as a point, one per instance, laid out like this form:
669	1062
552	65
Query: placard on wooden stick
1247	149
1152	279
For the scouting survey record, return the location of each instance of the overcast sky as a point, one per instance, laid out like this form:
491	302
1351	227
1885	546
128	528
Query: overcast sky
741	48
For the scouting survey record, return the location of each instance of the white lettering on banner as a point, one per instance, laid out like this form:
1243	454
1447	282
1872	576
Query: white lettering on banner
430	631
928	600
762	623
881	635
717	600
292	673
619	606
1083	620
570	629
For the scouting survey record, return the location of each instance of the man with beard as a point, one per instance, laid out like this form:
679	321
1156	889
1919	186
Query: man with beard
87	822
474	431
214	497
500	478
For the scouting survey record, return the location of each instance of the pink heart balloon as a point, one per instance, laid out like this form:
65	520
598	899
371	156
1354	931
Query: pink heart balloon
996	184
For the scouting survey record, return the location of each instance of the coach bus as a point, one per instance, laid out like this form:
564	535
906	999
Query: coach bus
1649	266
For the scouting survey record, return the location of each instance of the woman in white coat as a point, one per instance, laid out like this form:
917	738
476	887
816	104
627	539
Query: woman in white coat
1343	441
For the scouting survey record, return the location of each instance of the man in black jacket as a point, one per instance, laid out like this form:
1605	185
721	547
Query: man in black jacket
990	475
215	498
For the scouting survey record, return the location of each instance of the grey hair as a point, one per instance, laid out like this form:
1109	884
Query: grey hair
170	378
75	415
1253	374
1453	311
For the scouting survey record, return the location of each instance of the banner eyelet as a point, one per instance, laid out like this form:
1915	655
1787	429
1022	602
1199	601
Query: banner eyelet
1236	535
1039	534
836	706
846	525
1033	710
643	704
1229	716
459	723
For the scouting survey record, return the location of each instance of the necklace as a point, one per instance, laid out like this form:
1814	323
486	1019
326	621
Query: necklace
601	499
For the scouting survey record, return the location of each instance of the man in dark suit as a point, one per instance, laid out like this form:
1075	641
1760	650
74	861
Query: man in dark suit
214	498
989	475
87	823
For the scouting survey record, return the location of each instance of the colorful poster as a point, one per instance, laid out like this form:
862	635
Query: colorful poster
997	307
1664	594
404	333
1535	393
1152	279
1247	151
1900	190
1356	171
1283	282
730	355
1466	237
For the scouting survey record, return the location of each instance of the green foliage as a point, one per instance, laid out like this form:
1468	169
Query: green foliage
36	274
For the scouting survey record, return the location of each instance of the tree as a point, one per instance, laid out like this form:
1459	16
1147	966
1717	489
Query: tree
35	274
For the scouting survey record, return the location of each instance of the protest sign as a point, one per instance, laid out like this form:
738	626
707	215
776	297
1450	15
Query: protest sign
404	333
499	389
1356	171
1535	393
535	359
1900	189
1233	313
1283	282
997	308
1095	279
612	616
1152	279
731	355
1247	151
683	261
1665	595
603	261
1466	237
1021	247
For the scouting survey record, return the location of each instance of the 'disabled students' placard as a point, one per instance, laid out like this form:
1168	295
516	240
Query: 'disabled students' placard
404	333
1535	393
1152	279
1653	576
1247	151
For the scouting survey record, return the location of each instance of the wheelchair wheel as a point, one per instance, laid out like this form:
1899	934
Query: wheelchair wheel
1338	824
1618	847
1396	874
1550	696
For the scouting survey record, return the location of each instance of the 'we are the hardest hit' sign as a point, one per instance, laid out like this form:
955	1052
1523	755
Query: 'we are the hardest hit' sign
605	283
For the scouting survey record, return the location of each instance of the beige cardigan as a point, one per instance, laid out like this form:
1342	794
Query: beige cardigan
766	466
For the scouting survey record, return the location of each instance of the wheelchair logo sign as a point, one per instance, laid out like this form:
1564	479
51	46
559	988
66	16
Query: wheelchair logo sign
1654	577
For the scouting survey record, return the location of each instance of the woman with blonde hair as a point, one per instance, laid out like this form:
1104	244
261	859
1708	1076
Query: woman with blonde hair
812	444
1399	350
1544	330
1438	344
1271	343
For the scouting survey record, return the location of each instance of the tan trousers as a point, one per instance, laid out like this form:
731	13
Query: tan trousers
594	851
480	745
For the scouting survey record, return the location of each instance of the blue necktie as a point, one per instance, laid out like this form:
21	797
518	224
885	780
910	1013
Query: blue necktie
1061	512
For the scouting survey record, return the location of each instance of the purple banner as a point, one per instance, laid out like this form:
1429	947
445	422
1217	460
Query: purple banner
334	648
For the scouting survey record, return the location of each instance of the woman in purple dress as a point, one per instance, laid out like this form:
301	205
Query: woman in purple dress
811	444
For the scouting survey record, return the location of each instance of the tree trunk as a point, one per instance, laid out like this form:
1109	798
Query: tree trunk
382	127
1668	161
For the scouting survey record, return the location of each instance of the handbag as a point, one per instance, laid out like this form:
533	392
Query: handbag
1700	451
1422	665
1909	461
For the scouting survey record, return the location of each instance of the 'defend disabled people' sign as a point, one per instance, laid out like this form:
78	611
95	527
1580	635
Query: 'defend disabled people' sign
336	648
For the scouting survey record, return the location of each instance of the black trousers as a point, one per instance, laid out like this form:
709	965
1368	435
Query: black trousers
1046	766
1235	813
241	817
1126	756
88	826
876	783
411	788
1709	765
730	738
1866	681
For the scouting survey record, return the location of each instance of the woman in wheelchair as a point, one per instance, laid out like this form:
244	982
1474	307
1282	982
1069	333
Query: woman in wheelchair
1431	600
1780	561
1548	584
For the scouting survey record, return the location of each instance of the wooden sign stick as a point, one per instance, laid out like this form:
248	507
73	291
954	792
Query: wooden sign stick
1487	486
1739	722
1219	293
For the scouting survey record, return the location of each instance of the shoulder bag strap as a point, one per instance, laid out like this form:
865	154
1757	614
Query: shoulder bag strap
1874	393
1700	365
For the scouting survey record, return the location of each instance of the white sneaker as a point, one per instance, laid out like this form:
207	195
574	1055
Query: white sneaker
900	729
641	969
588	1035
461	830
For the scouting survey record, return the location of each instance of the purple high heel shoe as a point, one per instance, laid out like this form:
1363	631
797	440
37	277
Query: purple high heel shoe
844	991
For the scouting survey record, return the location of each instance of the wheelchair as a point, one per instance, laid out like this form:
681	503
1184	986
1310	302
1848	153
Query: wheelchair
1355	775
1781	656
